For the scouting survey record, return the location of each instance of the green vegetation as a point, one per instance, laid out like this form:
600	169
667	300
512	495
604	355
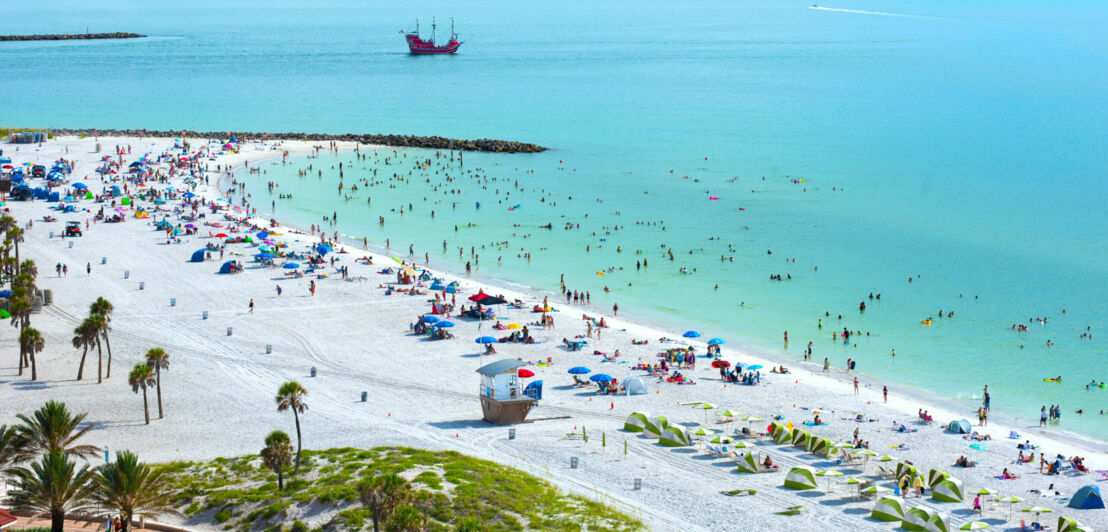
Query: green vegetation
444	490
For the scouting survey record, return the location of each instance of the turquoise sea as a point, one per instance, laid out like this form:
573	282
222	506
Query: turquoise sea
960	144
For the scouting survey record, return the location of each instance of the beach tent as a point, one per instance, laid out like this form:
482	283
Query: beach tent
534	390
818	445
654	427
1069	524
673	437
636	422
748	464
938	523
917	518
781	434
801	437
227	267
198	255
947	490
1087	498
634	386
801	478
959	427
889	509
904	468
935	476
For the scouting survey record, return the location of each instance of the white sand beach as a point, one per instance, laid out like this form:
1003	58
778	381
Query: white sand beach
219	391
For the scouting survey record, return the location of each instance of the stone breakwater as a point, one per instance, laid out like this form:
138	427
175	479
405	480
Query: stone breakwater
405	141
70	36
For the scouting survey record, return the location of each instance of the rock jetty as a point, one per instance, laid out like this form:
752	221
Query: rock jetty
406	141
70	36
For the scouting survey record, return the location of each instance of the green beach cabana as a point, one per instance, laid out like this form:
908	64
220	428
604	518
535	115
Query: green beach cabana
782	434
917	518
948	490
888	509
800	438
903	468
818	445
935	476
747	464
801	478
1069	524
636	422
938	523
654	427
673	437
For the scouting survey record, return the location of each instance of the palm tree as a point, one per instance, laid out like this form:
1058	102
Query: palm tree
277	455
405	518
141	378
83	338
19	306
131	488
382	494
96	324
30	340
11	447
53	485
103	307
158	359
28	268
15	234
291	397
53	428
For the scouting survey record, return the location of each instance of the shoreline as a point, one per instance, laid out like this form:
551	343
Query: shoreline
763	354
379	139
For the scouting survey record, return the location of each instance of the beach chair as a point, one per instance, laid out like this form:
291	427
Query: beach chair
727	452
886	473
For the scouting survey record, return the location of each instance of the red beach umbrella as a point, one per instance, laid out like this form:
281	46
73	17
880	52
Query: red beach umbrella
721	364
221	235
525	373
478	296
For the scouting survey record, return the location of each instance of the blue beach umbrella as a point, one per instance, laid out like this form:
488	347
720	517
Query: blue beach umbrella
486	340
717	341
601	377
442	324
322	249
291	266
691	334
80	186
262	234
451	289
579	370
754	367
260	255
188	195
429	319
437	286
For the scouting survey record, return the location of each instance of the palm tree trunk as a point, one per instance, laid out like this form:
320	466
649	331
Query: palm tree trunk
145	405
159	370
34	367
99	362
20	361
81	368
280	479
57	520
296	417
109	344
376	518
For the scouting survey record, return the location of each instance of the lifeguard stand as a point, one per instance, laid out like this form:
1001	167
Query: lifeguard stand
503	399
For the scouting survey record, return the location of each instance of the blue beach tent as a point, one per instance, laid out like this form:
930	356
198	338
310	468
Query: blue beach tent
226	268
534	390
959	427
198	255
1087	498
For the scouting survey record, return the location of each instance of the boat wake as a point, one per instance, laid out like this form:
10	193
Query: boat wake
864	12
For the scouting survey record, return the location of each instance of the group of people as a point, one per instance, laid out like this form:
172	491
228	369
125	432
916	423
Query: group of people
737	376
1055	412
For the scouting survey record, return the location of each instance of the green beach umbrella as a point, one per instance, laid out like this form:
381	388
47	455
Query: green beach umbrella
876	489
743	445
829	474
887	458
752	419
703	432
983	491
728	413
1011	500
974	525
5	314
722	439
1037	510
852	483
705	407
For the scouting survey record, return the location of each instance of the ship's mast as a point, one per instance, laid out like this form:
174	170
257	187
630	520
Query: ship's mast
453	36
417	27
433	30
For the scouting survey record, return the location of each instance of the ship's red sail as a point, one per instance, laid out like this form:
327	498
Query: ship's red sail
417	45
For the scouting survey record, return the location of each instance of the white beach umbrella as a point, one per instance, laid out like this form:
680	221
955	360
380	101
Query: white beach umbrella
1011	500
829	474
974	525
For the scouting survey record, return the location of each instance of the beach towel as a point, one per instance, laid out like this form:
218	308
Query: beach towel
810	424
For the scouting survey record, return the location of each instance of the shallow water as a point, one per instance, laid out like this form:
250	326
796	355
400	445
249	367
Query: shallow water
962	144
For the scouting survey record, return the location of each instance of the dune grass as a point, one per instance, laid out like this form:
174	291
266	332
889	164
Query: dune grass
449	488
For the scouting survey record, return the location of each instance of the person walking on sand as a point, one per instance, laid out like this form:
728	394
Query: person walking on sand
855	385
885	393
88	268
278	290
251	305
826	364
311	287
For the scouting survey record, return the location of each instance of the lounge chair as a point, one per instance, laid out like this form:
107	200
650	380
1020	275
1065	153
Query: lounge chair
886	473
